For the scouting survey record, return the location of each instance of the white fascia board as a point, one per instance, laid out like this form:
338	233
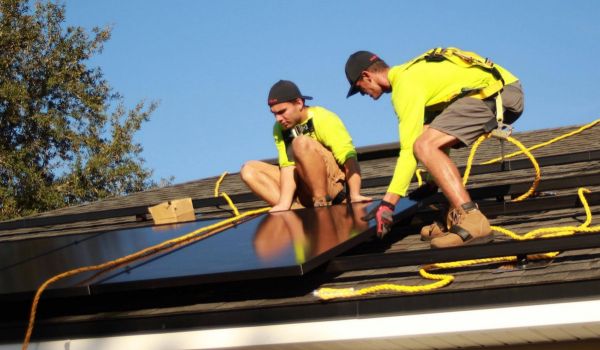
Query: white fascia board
407	326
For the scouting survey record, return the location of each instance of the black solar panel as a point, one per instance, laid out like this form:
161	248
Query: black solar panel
26	264
279	244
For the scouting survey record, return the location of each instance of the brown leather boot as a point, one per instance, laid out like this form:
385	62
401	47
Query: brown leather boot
469	226
436	229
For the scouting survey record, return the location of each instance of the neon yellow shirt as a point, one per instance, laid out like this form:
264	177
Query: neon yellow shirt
329	131
421	85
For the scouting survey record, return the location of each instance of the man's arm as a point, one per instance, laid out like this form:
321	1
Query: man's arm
353	178
287	188
409	106
408	101
392	198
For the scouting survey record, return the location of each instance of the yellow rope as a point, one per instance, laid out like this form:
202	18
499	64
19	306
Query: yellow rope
236	212
219	183
206	231
445	279
536	166
472	155
564	136
331	293
230	202
549	232
418	174
538	173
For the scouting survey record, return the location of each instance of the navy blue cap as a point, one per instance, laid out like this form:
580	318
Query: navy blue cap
357	63
284	91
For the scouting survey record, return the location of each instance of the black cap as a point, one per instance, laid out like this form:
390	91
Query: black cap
357	63
284	91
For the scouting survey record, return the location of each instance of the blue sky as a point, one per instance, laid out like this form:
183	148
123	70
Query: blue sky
210	64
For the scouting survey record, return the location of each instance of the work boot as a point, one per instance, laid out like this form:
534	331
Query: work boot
469	226
436	229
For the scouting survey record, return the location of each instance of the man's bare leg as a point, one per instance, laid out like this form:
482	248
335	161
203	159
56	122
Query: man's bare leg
310	165
263	180
469	225
429	149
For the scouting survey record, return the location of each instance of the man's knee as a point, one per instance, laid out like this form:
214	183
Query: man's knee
431	141
302	146
422	147
249	171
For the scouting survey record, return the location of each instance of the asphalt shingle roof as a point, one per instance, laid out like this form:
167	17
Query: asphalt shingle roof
218	303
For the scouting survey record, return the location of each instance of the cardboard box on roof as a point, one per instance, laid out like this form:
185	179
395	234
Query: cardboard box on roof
173	211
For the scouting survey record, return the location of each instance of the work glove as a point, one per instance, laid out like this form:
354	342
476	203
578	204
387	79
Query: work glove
425	190
383	214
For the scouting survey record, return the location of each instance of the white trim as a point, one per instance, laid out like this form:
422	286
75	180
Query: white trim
580	313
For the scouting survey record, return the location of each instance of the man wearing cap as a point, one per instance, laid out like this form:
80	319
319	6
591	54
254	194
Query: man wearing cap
315	154
442	100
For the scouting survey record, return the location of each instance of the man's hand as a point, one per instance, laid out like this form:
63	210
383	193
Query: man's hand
360	198
383	214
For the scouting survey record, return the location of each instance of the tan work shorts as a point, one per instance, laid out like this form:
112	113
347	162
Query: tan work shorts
468	118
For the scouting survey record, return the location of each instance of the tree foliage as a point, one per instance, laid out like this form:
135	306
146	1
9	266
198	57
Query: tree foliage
65	136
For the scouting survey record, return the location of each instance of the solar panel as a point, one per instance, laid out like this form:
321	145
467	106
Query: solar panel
19	252
26	264
287	243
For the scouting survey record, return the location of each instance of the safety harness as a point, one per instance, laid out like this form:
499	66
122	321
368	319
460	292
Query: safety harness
290	134
470	59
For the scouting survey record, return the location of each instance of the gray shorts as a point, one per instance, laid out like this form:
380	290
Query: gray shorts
468	118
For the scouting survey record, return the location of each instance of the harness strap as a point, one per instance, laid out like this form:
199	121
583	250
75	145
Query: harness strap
290	134
465	59
500	119
499	109
502	131
488	91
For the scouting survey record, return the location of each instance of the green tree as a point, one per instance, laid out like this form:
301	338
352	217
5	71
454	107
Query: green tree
65	136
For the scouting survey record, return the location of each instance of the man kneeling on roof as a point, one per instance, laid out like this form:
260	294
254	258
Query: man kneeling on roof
445	98
316	156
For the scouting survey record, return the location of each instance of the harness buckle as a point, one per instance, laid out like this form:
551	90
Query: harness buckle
301	129
503	131
290	134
